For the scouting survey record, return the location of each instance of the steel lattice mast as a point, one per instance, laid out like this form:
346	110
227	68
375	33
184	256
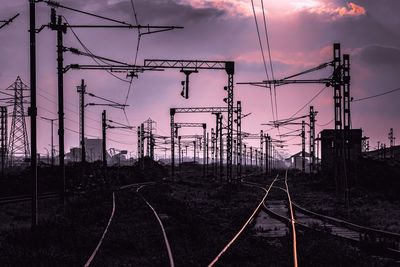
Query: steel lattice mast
18	142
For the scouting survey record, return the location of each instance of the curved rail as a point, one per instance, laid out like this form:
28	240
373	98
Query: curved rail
244	226
171	258
292	220
89	261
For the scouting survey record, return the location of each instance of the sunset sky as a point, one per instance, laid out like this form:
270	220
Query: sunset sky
301	36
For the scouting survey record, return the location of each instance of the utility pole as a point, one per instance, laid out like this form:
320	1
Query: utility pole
303	146
239	138
172	126
261	150
251	156
57	25
139	155
245	155
204	148
391	140
3	138
266	140
213	153
312	139
33	111
207	153
82	91
52	138
179	153
104	147
221	148
337	86
142	137
194	152
256	156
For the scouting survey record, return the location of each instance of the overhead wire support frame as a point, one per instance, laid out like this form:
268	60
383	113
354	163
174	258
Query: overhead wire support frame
124	24
8	21
229	67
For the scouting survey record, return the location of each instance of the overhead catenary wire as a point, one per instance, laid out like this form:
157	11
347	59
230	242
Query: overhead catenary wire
92	55
262	54
374	96
270	57
311	100
135	59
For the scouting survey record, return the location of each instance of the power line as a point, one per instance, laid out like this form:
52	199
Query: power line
263	56
378	95
325	124
92	55
271	67
269	56
311	100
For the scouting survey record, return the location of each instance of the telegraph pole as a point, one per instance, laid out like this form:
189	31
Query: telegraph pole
52	139
57	25
104	149
261	149
312	139
179	154
194	152
213	153
251	156
82	91
303	146
391	140
172	126
33	111
3	136
138	144
221	148
266	140
204	148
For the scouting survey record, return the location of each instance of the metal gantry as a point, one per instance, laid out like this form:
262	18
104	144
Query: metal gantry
312	138
82	91
195	125
339	80
391	142
195	65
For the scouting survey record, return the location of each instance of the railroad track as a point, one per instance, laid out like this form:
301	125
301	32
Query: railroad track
138	187
284	208
266	189
23	198
280	206
277	203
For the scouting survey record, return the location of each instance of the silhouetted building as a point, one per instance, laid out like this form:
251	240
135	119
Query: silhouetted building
93	151
328	150
296	161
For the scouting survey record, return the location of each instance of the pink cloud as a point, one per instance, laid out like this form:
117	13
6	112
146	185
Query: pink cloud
351	10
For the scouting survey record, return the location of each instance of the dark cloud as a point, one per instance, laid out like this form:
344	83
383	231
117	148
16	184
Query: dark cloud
378	56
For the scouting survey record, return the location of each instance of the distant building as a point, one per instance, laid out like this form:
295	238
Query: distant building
296	161
328	149
94	151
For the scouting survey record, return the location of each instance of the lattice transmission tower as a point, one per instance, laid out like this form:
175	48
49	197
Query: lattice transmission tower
18	145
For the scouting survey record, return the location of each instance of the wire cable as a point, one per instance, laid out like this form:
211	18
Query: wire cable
374	96
311	100
91	54
270	57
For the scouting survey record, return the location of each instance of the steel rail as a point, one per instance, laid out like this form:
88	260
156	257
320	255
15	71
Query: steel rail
89	261
170	256
292	221
244	226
